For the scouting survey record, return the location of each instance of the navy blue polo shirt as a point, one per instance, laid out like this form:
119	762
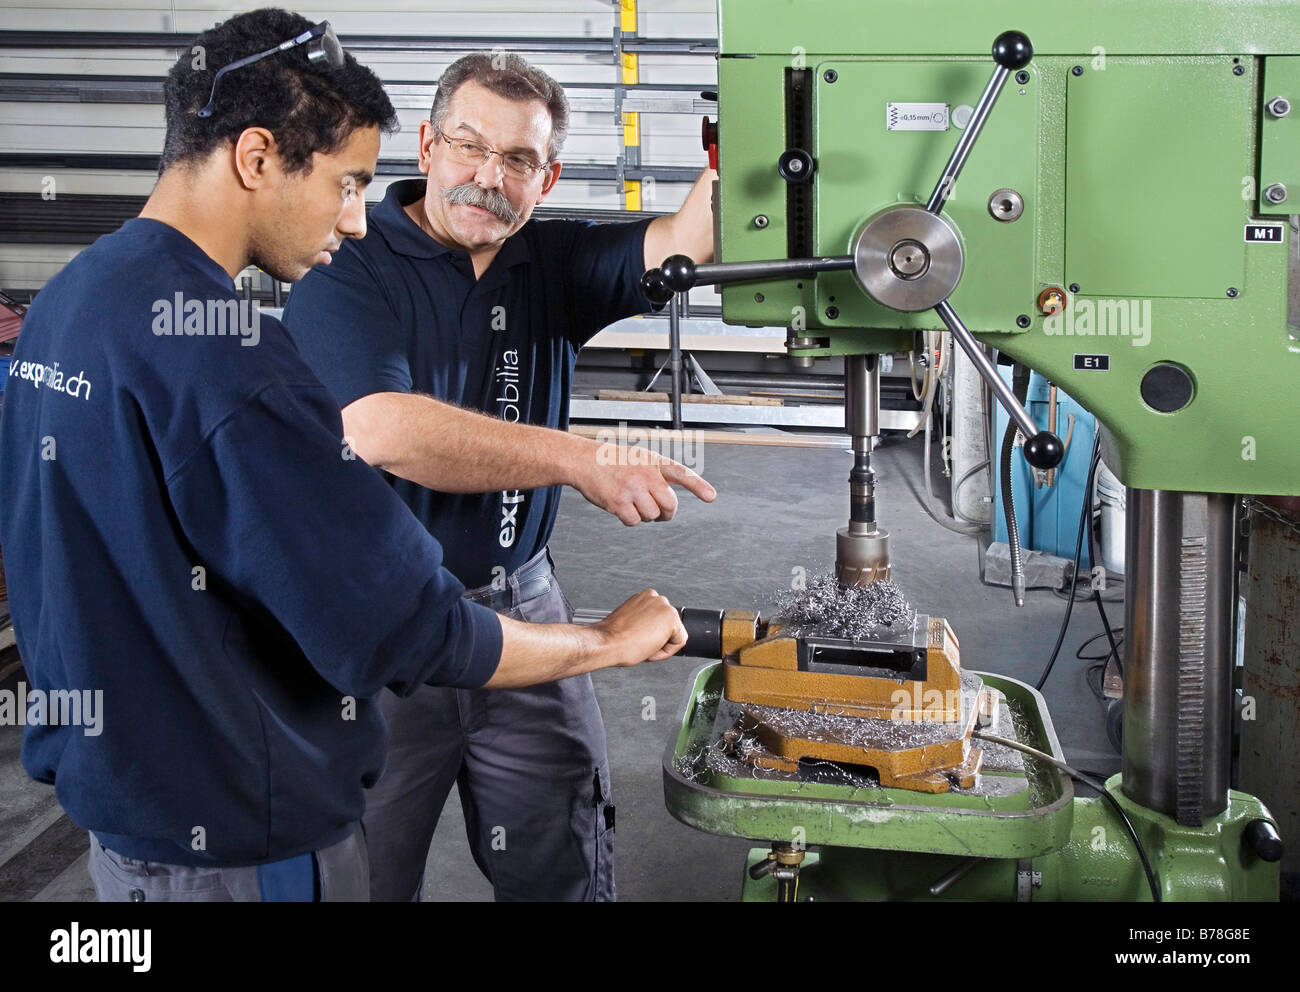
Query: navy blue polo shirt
191	551
399	312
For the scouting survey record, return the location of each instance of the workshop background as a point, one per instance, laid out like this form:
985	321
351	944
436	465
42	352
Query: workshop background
81	126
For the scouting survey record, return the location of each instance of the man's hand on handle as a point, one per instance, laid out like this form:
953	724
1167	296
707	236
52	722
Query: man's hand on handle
645	628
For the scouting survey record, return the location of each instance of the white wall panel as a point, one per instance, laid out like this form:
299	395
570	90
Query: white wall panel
538	18
78	182
595	137
32	266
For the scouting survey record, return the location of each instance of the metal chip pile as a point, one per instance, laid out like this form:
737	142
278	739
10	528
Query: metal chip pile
857	613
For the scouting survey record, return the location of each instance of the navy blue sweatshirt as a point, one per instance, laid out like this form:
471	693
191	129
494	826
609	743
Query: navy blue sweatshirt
398	312
185	530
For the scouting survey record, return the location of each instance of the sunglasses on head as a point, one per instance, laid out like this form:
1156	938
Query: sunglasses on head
322	47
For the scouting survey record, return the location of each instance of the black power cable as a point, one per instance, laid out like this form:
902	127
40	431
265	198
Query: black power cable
1099	662
1096	637
1092	783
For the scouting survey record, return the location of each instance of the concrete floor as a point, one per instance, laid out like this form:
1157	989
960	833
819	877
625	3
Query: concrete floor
777	510
42	853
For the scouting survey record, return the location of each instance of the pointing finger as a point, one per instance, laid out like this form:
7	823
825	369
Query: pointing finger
679	475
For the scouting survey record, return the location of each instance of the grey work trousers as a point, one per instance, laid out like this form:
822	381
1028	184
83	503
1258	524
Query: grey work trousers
340	870
533	777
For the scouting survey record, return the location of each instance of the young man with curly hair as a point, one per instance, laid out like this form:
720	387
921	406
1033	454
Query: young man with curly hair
189	538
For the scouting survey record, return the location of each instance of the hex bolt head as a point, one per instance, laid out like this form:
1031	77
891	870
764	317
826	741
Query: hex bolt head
1275	193
1279	106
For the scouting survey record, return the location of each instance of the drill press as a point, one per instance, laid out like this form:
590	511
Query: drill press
1111	174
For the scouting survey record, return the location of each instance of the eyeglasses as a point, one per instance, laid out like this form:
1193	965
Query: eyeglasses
322	46
475	154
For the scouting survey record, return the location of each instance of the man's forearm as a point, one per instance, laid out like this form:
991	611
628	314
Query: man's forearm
645	628
687	232
454	450
536	653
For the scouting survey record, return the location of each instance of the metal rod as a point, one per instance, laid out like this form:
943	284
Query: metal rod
675	358
943	189
386	167
962	335
802	381
716	273
862	398
79	218
1051	426
946	880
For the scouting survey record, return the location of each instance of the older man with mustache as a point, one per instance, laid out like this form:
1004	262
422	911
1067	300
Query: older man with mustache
449	336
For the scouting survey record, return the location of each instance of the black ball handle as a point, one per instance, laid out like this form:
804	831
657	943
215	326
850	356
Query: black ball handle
1044	450
1012	50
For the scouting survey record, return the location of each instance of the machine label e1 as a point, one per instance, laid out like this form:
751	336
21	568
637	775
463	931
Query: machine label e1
1092	363
916	116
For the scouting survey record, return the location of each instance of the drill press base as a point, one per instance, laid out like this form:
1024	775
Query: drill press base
1022	828
1011	812
1210	863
